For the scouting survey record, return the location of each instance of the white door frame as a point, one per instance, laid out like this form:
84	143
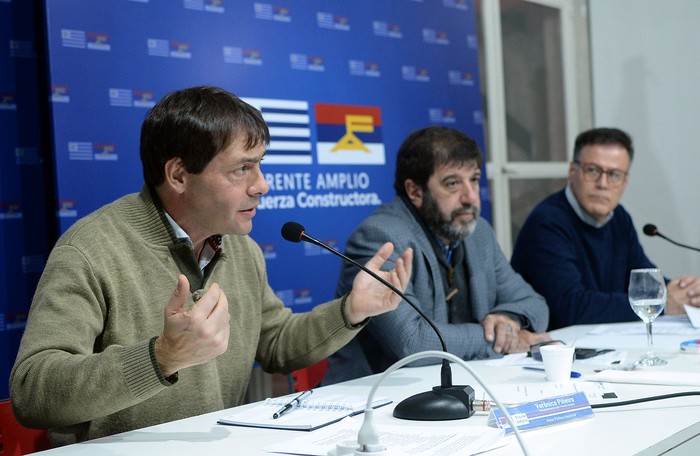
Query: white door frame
576	93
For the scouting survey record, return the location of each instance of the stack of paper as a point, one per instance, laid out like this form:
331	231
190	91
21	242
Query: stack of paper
647	377
399	439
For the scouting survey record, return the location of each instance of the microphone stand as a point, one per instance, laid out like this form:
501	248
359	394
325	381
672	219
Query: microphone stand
677	243
651	230
444	402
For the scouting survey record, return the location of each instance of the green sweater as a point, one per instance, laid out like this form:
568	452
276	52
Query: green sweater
85	366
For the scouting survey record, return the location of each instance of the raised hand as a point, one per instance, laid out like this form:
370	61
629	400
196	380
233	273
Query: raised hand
192	336
368	296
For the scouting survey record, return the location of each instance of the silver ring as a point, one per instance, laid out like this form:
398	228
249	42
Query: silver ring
509	329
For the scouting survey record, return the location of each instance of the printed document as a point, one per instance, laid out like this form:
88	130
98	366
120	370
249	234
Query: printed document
399	439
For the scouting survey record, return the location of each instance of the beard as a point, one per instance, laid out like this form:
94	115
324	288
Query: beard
447	228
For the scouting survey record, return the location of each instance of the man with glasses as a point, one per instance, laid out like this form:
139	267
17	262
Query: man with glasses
578	246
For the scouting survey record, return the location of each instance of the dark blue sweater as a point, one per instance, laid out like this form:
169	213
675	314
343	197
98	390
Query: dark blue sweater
582	271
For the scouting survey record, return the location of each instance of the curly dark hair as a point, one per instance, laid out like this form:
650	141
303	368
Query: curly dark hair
428	148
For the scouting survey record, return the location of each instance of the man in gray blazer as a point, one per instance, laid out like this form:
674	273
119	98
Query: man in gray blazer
461	279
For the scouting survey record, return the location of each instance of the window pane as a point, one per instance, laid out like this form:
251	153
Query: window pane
533	79
525	194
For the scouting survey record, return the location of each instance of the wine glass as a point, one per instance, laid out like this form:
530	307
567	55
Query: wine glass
647	296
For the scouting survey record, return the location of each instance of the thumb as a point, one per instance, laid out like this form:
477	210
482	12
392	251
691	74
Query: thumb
179	297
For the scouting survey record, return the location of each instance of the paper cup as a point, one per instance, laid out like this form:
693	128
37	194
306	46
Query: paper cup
557	362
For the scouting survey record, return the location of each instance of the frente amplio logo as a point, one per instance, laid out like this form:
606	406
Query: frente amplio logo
349	135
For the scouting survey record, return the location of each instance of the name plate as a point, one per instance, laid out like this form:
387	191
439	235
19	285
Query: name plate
543	412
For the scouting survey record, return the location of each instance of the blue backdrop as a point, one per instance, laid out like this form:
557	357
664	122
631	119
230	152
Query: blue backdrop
24	236
340	83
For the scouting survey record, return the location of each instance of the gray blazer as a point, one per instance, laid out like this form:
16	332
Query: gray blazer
493	287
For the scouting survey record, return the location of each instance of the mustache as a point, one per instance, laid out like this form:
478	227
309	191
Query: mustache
468	209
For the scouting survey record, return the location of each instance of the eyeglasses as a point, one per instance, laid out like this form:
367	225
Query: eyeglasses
535	349
591	173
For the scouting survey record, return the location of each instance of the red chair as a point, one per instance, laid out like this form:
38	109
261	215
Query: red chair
17	440
309	377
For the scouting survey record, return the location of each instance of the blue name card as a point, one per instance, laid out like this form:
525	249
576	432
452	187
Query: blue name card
543	412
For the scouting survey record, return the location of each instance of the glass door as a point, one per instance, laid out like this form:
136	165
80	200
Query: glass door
536	84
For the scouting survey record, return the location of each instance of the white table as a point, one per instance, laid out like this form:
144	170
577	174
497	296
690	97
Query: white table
661	427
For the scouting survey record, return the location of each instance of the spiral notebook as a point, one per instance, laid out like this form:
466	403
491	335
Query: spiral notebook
312	413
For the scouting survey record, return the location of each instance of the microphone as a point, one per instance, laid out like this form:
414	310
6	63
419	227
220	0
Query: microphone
444	402
651	230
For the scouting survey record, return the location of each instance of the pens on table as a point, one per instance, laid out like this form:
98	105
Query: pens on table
540	369
290	405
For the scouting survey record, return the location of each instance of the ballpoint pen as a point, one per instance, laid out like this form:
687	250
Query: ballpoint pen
288	406
540	369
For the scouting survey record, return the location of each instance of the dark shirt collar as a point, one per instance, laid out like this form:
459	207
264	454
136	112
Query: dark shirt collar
448	250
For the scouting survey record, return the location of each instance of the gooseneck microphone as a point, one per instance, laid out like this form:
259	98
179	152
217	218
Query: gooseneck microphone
651	230
444	402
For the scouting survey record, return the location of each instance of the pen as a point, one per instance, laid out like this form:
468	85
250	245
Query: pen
540	369
288	406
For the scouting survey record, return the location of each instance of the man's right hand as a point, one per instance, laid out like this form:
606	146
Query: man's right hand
193	336
527	338
682	290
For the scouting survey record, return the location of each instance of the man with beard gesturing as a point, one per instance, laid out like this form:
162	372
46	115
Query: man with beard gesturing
461	279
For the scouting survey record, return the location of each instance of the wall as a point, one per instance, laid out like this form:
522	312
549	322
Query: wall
645	80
